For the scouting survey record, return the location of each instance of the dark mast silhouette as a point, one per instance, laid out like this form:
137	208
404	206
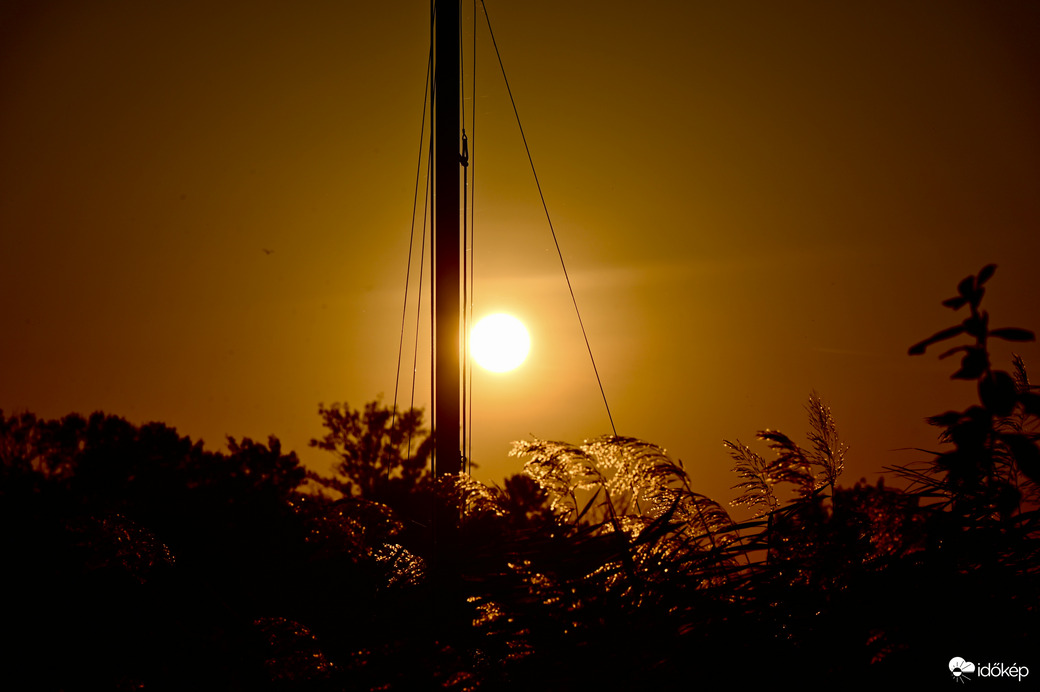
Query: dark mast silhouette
446	279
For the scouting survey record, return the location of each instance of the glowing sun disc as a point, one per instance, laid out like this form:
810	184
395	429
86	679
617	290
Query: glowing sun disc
499	342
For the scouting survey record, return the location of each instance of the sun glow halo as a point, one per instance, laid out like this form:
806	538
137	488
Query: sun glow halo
499	342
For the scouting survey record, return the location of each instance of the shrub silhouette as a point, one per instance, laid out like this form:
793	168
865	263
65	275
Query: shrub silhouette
995	460
134	553
137	558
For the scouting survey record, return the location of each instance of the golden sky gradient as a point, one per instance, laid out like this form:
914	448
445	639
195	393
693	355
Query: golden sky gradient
754	199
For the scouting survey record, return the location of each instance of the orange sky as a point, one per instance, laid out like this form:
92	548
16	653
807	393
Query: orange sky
754	201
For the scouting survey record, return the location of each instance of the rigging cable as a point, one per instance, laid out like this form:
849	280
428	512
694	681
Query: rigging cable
559	252
408	270
418	300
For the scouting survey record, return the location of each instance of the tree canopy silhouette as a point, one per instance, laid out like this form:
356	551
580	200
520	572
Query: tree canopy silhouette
136	558
383	455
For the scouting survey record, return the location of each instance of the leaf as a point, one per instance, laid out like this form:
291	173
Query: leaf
973	365
588	505
986	273
955	303
966	287
918	348
944	420
1013	334
955	349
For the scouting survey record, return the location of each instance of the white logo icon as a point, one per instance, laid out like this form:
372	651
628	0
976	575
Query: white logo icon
959	667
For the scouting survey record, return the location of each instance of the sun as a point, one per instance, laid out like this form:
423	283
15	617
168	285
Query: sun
499	342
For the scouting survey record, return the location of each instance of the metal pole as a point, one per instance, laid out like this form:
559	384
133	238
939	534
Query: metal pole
447	415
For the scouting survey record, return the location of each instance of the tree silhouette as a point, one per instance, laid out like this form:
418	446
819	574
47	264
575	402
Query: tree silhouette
136	555
383	456
137	559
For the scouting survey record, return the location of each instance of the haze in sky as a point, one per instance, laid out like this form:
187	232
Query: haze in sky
205	212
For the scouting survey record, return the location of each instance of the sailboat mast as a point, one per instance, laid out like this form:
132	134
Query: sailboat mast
446	195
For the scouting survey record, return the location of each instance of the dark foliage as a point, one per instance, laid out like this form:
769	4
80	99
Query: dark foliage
384	455
131	552
138	560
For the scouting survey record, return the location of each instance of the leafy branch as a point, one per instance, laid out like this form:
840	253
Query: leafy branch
980	477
